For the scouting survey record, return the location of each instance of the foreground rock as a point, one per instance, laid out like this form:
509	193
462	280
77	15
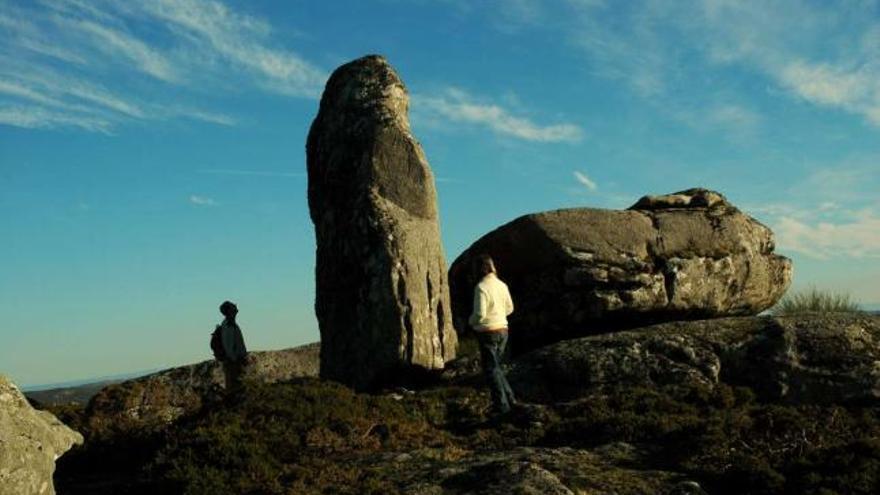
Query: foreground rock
546	471
811	359
585	271
382	300
30	442
152	402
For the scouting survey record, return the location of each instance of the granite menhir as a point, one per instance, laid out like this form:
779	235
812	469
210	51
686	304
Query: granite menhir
382	296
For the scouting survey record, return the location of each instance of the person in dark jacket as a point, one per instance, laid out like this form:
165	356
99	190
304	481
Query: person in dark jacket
234	350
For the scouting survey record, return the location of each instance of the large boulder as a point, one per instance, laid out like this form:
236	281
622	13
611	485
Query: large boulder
807	359
382	298
30	442
152	402
584	271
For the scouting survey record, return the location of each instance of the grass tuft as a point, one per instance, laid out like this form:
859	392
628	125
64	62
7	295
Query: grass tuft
814	300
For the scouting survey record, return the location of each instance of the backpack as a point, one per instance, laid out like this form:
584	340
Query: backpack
217	344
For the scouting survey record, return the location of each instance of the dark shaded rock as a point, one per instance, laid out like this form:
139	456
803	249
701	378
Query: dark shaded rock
152	402
529	470
811	359
30	442
382	299
584	271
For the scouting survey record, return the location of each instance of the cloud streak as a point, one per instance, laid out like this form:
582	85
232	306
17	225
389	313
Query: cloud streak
857	237
585	181
116	43
825	55
86	64
255	173
217	32
833	212
39	118
202	200
455	105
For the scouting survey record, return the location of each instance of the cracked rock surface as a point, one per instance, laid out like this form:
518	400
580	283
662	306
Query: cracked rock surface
585	271
382	299
30	442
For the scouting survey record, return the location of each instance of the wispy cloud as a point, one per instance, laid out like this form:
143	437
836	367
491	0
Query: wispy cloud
735	117
734	120
129	48
854	89
217	32
256	173
585	181
458	106
826	55
83	64
513	15
857	237
833	212
31	117
202	200
831	61
630	49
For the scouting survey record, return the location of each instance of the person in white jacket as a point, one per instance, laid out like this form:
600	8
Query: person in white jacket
492	305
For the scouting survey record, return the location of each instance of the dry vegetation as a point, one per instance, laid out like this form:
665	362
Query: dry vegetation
310	436
814	300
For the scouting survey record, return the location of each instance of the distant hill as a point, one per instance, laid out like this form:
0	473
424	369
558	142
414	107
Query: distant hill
69	395
76	391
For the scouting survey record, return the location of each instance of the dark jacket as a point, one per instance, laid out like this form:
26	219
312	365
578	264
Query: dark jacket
233	342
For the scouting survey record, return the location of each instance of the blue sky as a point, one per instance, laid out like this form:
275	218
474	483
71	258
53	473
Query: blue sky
152	156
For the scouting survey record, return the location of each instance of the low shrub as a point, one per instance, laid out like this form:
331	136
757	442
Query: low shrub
310	436
814	300
284	435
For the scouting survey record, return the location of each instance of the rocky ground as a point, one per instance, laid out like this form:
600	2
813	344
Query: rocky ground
737	405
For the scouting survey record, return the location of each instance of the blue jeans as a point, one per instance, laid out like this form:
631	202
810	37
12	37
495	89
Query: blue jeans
492	346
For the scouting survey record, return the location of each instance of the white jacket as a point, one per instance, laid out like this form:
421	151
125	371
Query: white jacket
492	304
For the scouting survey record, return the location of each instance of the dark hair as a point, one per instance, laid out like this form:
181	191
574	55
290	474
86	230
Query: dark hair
483	265
226	307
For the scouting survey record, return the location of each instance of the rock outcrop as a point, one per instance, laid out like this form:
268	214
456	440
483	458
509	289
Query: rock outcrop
382	299
152	402
30	442
810	359
530	470
584	271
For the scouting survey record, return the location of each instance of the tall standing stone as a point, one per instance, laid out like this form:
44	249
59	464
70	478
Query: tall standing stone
382	297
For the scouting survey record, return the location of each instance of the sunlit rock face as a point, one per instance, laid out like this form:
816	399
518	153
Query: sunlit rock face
382	299
585	271
30	442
